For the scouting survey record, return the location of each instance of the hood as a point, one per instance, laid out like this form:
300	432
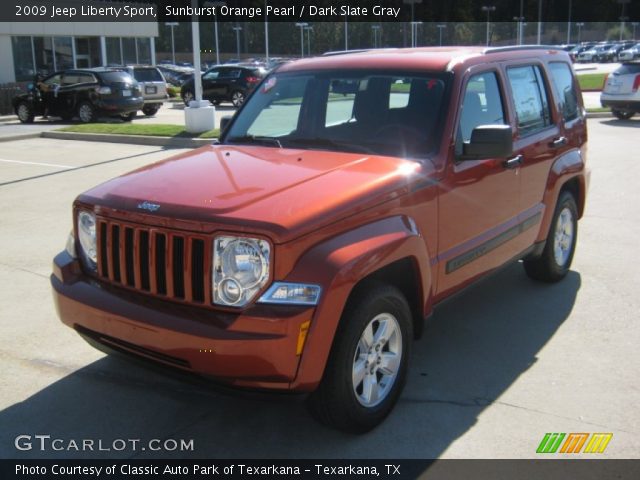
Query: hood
281	192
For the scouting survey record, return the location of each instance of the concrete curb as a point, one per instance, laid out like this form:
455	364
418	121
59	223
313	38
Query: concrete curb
130	139
599	115
21	136
8	118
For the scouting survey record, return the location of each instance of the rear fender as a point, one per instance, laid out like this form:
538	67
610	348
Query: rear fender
565	169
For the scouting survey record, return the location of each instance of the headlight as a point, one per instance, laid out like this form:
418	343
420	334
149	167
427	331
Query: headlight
70	247
291	294
87	239
240	269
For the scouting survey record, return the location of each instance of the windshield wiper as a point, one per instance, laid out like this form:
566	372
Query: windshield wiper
255	139
324	142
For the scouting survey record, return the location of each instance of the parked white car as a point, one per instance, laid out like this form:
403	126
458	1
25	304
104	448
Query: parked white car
622	91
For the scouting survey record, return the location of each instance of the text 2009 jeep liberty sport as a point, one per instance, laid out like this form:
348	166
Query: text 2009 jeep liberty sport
348	196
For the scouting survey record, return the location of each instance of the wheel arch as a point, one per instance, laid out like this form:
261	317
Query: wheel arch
390	250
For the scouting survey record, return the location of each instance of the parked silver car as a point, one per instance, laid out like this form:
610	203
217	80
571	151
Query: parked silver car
622	91
152	84
630	53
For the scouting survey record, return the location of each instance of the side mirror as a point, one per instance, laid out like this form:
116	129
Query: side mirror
489	141
224	122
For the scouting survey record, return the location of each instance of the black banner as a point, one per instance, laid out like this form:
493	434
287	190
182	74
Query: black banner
317	10
395	469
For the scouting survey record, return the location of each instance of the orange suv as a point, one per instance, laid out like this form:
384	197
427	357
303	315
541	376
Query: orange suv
347	197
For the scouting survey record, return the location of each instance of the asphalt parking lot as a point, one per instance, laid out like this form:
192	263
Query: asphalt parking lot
498	367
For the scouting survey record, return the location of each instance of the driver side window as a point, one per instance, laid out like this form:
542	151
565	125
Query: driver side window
482	105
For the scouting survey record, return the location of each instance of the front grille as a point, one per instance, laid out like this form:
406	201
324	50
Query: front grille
155	261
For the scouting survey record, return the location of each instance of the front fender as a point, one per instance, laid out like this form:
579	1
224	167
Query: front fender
564	169
338	265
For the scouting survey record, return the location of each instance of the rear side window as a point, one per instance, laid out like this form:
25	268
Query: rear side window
147	75
115	77
628	68
566	89
482	104
530	99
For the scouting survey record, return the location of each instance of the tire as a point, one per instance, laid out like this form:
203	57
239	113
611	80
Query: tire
150	111
343	399
127	117
86	112
237	98
555	261
187	97
622	114
25	112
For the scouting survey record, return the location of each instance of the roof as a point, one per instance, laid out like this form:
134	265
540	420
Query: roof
424	58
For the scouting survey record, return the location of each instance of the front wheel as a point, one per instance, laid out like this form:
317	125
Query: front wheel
187	97
622	114
25	112
367	368
560	245
128	117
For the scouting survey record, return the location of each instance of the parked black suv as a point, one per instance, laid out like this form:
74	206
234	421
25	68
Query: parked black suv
225	83
87	94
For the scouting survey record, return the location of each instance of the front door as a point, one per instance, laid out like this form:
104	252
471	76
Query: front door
479	199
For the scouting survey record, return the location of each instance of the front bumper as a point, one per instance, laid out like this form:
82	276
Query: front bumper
256	348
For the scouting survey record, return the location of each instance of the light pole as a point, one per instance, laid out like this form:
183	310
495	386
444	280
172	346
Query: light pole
622	17
375	29
173	43
519	28
266	33
414	33
440	27
579	25
215	25
308	29
488	9
634	25
569	25
520	24
539	21
414	27
346	33
237	29
301	26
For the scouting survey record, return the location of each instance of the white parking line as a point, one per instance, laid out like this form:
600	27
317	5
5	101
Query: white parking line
55	165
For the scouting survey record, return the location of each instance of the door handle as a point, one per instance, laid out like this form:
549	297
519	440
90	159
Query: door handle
559	142
513	162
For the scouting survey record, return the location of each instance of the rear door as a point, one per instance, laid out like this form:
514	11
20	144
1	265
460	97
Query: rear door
540	137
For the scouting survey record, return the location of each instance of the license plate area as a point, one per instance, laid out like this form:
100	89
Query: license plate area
126	93
150	89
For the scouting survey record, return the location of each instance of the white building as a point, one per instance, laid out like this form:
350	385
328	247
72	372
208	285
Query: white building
44	47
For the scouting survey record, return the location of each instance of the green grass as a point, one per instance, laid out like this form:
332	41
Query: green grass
591	81
154	130
598	109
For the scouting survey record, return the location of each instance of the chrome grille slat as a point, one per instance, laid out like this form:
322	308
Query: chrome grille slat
154	261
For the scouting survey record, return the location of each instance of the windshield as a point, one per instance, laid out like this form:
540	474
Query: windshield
396	114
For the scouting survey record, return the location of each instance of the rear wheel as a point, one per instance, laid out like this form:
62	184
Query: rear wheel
25	112
367	368
187	97
86	112
150	110
622	114
127	117
560	246
237	98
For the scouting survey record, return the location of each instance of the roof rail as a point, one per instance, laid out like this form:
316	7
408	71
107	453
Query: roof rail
515	48
344	52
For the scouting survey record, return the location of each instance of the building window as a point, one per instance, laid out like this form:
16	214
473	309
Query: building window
129	51
114	54
23	58
144	50
44	55
64	53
